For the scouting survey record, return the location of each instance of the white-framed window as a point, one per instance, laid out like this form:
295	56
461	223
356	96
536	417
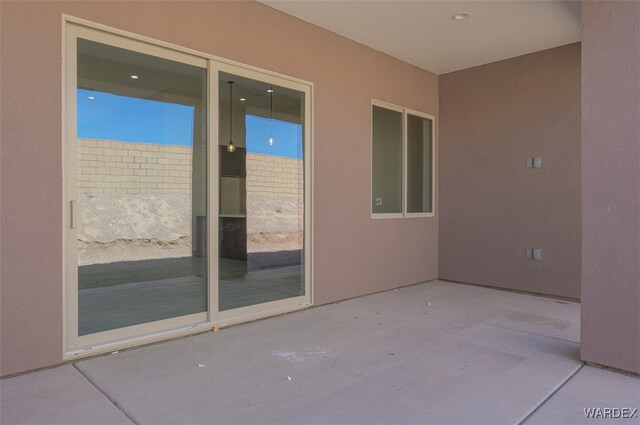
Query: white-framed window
402	162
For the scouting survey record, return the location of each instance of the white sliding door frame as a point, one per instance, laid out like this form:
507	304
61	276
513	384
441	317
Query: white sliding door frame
275	307
76	346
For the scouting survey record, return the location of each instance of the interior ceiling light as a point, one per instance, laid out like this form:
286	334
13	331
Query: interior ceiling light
91	98
231	147
270	91
134	77
461	16
242	99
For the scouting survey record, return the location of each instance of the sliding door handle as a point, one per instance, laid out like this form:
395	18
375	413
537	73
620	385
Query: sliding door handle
73	213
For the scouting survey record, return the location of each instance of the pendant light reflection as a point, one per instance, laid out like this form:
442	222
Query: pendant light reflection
270	91
231	147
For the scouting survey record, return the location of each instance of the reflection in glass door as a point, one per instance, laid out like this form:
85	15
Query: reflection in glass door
141	213
261	187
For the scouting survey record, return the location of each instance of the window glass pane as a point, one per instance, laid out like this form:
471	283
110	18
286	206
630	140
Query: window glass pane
419	164
387	161
261	213
142	188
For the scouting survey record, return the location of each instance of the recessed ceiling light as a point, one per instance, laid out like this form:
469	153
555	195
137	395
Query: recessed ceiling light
134	77
270	91
242	99
461	16
91	98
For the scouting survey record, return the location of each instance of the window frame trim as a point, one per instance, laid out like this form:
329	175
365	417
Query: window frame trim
405	112
415	113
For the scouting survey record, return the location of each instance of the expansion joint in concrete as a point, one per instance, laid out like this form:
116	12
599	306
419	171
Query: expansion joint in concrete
551	394
104	393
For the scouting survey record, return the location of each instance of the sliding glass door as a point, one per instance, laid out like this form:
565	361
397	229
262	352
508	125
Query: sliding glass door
262	193
186	191
140	208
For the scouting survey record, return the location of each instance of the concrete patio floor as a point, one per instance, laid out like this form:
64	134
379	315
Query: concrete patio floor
434	353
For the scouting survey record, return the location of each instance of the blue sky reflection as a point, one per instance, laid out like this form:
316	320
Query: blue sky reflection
129	119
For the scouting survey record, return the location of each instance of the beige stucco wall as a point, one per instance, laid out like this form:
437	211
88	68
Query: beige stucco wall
492	118
610	320
353	254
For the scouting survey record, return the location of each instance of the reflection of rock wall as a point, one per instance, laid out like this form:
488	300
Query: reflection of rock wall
122	227
274	176
109	217
135	202
106	166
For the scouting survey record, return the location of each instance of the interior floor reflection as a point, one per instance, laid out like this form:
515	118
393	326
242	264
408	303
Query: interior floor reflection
165	288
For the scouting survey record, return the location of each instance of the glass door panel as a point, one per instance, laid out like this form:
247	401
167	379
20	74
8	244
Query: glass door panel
142	188
261	187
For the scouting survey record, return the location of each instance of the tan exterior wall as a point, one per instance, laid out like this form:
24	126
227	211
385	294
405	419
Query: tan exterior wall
353	254
494	117
610	319
108	166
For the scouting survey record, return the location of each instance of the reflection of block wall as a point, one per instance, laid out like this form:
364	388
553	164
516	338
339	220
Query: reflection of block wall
274	176
106	166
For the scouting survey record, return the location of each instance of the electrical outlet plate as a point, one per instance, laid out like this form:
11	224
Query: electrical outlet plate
533	253
534	162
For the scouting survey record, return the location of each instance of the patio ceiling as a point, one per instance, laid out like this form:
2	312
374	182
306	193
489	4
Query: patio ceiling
425	34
